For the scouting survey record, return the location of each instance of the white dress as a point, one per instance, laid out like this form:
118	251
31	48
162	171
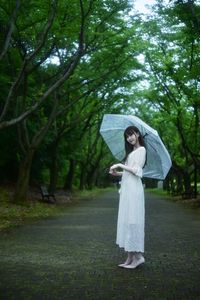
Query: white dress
131	214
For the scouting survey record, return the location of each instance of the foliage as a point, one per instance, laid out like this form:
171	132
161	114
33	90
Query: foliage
63	65
170	99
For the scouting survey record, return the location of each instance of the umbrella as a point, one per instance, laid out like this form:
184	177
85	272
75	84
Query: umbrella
158	159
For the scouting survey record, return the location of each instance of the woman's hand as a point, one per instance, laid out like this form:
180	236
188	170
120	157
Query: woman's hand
113	172
114	167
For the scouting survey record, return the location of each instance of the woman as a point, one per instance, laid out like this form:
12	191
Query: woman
130	225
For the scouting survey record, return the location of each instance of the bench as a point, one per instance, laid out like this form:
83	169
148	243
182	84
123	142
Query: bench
46	196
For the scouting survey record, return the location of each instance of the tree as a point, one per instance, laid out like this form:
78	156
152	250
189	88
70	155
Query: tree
172	71
41	92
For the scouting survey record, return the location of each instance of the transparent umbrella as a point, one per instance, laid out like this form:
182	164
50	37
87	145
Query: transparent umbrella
158	159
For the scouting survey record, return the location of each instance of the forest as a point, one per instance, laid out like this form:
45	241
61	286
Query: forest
64	64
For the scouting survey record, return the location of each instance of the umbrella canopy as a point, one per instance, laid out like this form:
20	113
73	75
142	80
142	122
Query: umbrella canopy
158	159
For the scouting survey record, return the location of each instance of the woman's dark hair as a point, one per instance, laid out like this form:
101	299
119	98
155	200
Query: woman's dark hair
128	147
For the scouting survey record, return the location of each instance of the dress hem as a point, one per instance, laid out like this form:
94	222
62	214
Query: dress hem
128	250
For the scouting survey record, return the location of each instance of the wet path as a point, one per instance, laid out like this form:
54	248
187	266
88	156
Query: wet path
74	256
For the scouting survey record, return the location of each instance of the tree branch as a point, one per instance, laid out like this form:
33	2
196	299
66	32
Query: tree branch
23	70
42	132
67	73
11	28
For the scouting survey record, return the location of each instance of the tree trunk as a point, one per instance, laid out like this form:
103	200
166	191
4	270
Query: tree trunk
91	177
21	192
93	180
187	183
70	175
195	180
166	184
53	171
179	182
82	177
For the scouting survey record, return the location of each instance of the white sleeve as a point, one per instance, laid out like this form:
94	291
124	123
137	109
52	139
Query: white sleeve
137	161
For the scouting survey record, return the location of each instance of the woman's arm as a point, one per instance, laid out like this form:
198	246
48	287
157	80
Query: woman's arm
123	167
115	173
135	164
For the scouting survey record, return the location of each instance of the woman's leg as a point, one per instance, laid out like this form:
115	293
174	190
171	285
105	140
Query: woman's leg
128	260
137	260
139	255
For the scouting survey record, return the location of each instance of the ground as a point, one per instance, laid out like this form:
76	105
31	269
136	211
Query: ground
74	256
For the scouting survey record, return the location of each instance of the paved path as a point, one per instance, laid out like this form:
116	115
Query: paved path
74	256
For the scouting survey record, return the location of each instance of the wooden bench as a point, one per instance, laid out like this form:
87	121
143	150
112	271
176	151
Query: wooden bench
46	196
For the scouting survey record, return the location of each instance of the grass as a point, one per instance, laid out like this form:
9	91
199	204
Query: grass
12	215
159	192
191	203
84	194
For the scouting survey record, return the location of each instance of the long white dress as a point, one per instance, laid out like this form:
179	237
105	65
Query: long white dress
131	214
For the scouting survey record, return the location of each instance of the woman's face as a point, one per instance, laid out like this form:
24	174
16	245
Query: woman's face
132	139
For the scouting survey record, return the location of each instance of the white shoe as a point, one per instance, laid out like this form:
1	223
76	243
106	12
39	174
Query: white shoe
125	264
122	265
135	263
